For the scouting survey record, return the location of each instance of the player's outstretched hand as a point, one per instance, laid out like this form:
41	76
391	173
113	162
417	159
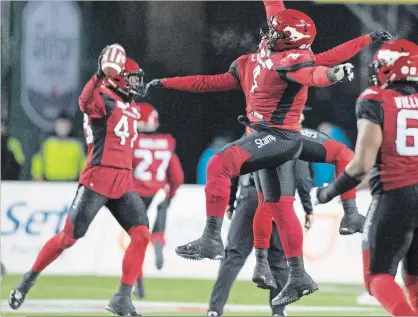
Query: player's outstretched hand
156	83
381	36
341	72
100	72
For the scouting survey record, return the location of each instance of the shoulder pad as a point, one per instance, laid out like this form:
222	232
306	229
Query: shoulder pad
372	93
293	60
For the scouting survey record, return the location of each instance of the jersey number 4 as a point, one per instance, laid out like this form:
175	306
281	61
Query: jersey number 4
121	130
403	133
147	157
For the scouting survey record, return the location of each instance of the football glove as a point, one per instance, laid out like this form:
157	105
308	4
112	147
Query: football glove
381	36
100	73
340	72
157	83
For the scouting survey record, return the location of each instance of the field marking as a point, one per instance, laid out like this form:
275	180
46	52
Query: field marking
94	306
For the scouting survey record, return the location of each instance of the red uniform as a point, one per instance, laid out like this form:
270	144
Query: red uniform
391	229
110	128
156	165
260	74
397	113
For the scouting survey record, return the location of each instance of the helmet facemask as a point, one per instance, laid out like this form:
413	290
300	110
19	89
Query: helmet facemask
134	83
271	35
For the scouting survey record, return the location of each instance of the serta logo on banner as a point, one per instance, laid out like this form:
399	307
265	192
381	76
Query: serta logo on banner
31	223
50	60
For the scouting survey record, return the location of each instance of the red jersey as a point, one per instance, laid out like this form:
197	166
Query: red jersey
110	126
156	165
275	84
395	109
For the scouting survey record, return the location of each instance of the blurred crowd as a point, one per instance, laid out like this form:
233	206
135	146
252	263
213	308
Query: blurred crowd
61	157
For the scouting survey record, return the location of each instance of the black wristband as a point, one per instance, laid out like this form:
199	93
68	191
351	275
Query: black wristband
343	183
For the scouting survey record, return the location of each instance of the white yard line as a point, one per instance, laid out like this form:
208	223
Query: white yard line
93	306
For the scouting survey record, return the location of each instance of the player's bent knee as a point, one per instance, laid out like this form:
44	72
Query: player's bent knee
139	235
65	241
216	164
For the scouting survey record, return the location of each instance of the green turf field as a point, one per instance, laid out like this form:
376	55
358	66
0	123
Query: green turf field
178	294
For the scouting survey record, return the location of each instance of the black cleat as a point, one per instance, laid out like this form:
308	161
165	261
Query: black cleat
352	223
159	257
262	275
202	248
295	288
122	305
18	293
139	290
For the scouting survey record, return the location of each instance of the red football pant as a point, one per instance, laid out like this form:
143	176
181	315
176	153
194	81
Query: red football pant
131	267
411	284
384	288
288	224
158	236
54	247
221	168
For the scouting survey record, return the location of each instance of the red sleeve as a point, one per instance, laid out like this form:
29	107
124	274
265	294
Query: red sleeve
203	83
311	76
89	101
273	8
343	52
175	175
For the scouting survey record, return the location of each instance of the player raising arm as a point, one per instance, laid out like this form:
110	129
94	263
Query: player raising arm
275	82
110	121
387	144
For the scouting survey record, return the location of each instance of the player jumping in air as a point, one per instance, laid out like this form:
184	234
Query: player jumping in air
275	82
156	166
387	144
110	126
317	147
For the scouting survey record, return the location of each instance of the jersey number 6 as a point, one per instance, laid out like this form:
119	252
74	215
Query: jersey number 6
403	133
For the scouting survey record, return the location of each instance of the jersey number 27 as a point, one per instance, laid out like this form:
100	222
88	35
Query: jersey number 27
148	157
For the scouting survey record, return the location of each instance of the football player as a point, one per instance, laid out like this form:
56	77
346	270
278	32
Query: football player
387	144
241	208
317	147
275	81
110	127
156	166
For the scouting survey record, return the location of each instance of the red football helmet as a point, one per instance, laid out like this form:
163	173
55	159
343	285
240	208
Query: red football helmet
291	29
131	79
148	121
396	60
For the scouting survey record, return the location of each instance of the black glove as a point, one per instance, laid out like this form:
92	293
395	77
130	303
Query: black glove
164	204
321	196
100	73
381	36
157	83
229	211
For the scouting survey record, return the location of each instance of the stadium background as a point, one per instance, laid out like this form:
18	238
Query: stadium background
167	39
